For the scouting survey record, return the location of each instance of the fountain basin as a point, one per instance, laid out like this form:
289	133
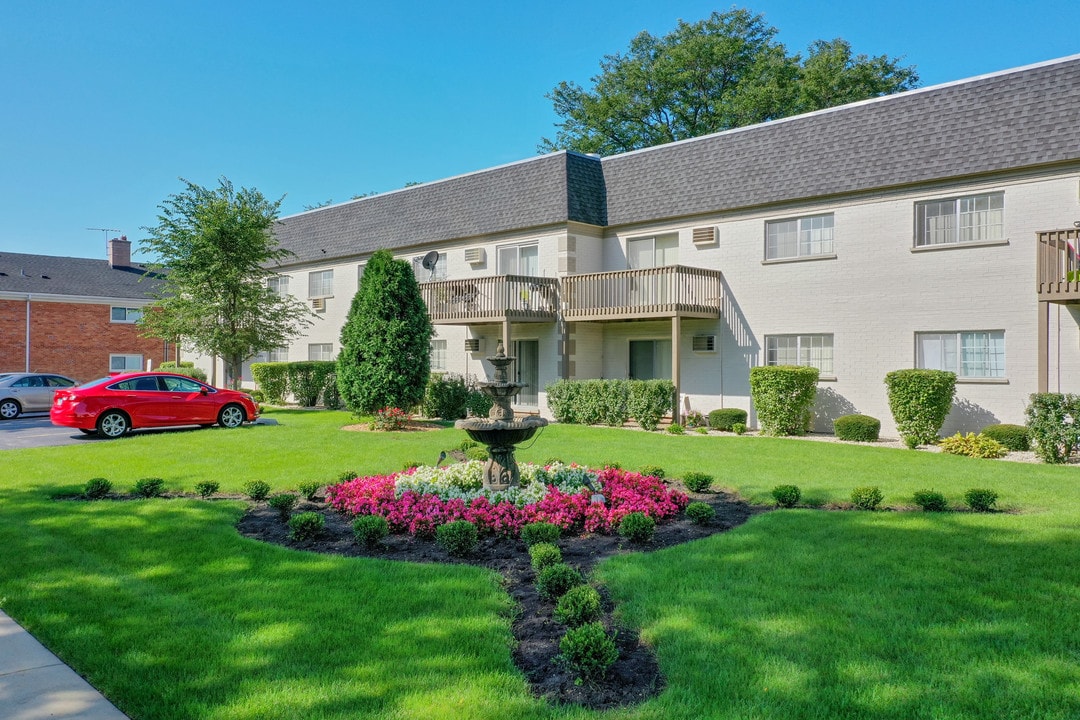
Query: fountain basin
500	433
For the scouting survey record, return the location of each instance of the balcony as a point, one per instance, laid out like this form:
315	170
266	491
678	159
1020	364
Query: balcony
514	298
1057	267
662	292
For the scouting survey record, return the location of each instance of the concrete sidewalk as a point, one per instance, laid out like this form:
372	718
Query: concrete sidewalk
35	684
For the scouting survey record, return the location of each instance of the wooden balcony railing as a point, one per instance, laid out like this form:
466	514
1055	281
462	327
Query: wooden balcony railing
517	298
638	294
1057	267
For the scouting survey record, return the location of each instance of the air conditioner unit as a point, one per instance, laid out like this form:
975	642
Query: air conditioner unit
704	343
705	236
472	344
475	256
318	304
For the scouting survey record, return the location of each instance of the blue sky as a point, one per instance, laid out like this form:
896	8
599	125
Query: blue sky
106	104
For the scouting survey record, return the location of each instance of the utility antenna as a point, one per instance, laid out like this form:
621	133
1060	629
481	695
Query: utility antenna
106	231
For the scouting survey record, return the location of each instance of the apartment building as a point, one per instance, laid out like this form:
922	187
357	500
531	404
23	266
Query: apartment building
933	228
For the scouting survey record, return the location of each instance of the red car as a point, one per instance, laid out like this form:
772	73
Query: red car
116	404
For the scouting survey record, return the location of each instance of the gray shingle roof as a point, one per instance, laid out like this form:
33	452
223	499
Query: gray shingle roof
81	277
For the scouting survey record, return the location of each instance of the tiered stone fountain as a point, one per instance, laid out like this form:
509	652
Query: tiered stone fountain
500	432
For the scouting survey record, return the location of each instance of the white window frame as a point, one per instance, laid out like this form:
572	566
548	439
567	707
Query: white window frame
664	256
809	235
320	351
423	275
320	284
280	354
130	315
971	354
129	362
978	218
438	355
278	284
360	274
516	250
816	350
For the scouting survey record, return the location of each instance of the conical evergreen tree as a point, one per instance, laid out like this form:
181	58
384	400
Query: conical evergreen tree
385	357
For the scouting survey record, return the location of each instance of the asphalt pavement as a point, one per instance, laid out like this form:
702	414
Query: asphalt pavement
36	430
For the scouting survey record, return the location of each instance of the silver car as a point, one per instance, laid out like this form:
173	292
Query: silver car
29	392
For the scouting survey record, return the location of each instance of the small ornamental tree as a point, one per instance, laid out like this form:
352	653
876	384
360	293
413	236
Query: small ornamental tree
385	358
783	396
919	401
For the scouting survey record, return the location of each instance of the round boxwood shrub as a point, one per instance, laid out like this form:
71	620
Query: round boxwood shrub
588	651
459	538
980	499
310	489
654	470
919	400
206	488
97	488
867	497
637	527
257	490
725	418
676	429
857	428
540	532
739	428
476	453
369	530
1015	438
150	487
697	481
283	503
699	512
578	606
787	496
931	500
543	555
306	525
553	581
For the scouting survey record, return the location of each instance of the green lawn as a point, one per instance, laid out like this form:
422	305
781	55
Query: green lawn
798	614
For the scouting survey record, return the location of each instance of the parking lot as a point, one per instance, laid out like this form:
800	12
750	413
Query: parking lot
35	430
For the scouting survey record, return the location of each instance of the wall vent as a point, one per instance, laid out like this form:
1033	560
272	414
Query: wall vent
318	304
704	343
475	256
705	236
472	344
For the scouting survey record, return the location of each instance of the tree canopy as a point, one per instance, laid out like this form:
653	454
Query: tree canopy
715	74
217	252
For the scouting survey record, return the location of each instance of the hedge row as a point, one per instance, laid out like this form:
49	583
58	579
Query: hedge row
186	368
611	402
310	382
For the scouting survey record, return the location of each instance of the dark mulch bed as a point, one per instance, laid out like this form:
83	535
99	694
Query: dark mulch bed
632	679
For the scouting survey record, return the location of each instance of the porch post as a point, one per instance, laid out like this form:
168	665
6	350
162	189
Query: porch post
1044	346
506	336
676	328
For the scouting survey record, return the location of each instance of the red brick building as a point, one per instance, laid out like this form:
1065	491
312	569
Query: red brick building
76	316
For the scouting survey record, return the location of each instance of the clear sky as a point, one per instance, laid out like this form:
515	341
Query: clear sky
104	105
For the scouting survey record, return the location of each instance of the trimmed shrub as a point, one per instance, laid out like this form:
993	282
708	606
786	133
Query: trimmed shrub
972	445
476	453
206	488
96	488
787	496
544	554
257	490
306	525
186	368
578	606
478	404
588	651
308	379
701	430
654	470
739	428
540	532
1052	421
310	490
459	538
725	418
283	503
857	428
553	581
613	465
347	476
257	395
650	400
931	500
676	429
981	499
783	396
590	402
272	379
867	497
700	513
1015	438
466	444
446	396
369	530
637	527
149	487
697	481
919	401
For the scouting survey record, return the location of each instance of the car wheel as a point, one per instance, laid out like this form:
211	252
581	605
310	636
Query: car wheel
231	416
9	409
113	424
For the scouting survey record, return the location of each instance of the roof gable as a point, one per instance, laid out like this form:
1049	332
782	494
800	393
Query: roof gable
78	277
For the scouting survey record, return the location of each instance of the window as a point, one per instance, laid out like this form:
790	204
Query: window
360	273
973	218
278	284
807	350
438	354
125	363
799	237
125	314
320	351
978	354
280	354
321	284
184	385
519	260
424	275
650	359
57	381
649	252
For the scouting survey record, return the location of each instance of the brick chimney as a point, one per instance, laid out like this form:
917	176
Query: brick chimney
120	252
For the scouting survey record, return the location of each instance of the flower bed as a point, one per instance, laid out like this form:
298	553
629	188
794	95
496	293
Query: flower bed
419	500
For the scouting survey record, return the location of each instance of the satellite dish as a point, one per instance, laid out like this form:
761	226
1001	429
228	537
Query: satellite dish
430	261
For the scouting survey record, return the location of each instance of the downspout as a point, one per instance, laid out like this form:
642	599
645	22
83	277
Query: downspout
28	298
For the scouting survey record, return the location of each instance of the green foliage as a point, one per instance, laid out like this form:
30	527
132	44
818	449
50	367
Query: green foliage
369	530
650	400
972	445
149	487
653	470
867	497
446	396
306	526
540	532
578	606
699	512
588	651
476	453
637	527
857	428
787	496
273	379
544	554
478	404
919	401
1015	438
206	488
738	428
346	476
390	419
310	489
218	248
553	581
783	396
610	402
257	490
703	77
183	368
725	418
458	538
283	503
676	429
931	500
466	444
96	488
981	499
385	343
309	380
1054	422
694	419
697	481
